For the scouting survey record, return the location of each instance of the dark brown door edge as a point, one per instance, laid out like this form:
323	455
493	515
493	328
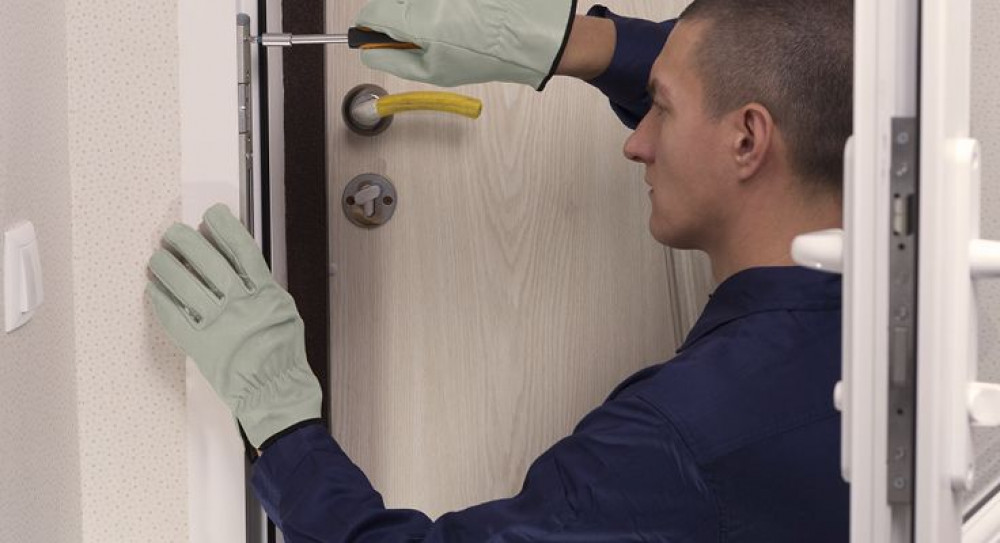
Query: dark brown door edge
306	214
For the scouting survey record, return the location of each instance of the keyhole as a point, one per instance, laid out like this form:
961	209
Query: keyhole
369	200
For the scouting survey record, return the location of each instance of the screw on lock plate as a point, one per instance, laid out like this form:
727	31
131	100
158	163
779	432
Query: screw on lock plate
369	200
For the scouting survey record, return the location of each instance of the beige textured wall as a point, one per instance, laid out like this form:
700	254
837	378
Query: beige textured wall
124	159
39	464
91	394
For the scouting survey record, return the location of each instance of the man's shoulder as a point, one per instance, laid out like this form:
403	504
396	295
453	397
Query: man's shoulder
753	378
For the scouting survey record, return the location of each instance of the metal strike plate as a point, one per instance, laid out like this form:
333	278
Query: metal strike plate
902	309
369	200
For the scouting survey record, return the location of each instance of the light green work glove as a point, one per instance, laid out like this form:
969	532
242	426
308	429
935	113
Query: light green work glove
470	41
215	296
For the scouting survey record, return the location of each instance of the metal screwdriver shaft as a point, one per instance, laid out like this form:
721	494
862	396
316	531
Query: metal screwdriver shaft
288	40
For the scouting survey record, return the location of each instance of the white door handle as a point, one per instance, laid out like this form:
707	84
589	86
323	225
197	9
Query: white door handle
823	250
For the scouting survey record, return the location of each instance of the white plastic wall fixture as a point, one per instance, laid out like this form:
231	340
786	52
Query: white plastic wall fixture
22	277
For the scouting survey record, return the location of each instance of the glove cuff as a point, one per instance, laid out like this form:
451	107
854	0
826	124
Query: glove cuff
287	399
271	440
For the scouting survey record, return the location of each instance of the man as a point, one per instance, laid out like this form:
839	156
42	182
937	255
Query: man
735	439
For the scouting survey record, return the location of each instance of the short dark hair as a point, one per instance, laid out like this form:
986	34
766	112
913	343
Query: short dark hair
796	58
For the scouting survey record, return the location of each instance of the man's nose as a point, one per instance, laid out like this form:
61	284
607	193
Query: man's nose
639	146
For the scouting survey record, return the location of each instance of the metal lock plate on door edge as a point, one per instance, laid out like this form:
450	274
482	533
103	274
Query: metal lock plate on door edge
382	206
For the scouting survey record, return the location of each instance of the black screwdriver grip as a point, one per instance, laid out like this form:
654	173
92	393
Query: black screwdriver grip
365	38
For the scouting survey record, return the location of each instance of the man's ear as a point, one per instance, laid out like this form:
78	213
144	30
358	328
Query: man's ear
754	134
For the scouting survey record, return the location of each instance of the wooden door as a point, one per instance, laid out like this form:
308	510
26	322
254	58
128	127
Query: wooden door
515	286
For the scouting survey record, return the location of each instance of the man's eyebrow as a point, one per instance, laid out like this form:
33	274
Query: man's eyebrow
651	88
655	87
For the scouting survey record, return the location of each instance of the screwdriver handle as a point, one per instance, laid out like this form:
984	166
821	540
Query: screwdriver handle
360	37
356	38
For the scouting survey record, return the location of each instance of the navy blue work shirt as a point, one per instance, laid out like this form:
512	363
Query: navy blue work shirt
733	440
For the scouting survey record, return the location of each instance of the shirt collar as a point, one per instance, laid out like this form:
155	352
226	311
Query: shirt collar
755	290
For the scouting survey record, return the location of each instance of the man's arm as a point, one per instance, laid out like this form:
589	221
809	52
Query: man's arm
590	47
625	474
461	44
637	43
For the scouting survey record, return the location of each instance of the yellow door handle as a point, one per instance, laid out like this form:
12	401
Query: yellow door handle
368	110
446	102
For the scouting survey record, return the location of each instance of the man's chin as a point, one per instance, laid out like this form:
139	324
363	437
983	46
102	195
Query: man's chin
670	237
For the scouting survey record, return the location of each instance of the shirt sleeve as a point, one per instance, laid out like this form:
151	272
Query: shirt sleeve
623	475
637	45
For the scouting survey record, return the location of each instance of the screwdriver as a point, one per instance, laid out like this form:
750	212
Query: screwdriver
357	37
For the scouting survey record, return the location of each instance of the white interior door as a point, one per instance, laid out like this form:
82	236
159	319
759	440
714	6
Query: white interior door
515	285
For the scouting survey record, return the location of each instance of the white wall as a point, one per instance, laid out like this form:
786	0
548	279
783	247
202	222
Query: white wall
91	393
39	463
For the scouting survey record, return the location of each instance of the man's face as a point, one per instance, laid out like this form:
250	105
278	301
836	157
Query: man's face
683	149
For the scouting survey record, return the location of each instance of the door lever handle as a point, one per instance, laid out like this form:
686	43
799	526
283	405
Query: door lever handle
368	110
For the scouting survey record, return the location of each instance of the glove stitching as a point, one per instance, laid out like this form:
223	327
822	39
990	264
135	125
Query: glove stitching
230	256
252	394
199	273
193	315
194	318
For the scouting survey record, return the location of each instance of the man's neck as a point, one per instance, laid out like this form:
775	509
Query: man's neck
765	239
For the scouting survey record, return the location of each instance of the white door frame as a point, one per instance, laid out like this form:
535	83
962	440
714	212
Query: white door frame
885	73
210	166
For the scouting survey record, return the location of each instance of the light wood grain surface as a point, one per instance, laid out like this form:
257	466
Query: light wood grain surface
515	286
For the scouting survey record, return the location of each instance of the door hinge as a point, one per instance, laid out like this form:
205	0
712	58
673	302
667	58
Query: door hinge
245	114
